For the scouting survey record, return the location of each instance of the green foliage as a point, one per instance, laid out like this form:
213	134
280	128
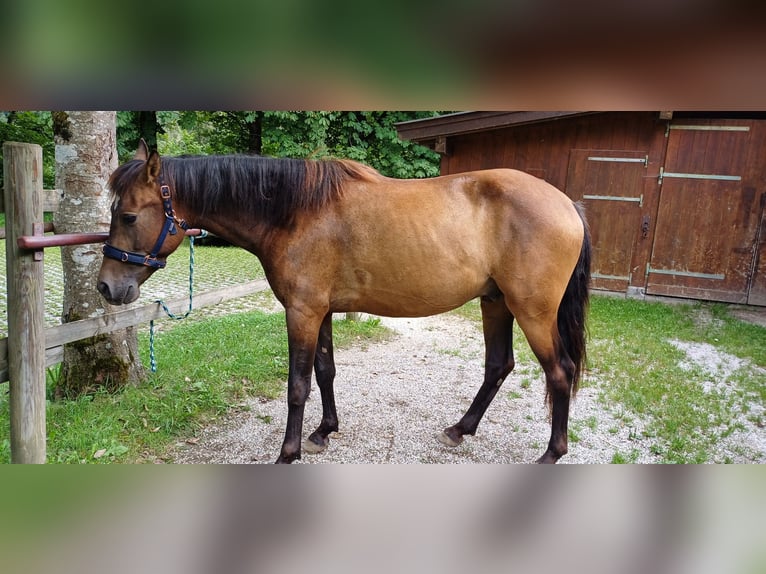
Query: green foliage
131	127
366	136
37	127
369	137
128	135
187	132
31	127
190	132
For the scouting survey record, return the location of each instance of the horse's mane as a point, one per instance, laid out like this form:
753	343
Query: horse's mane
271	190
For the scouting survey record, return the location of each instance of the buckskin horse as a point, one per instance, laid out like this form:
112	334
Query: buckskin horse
337	236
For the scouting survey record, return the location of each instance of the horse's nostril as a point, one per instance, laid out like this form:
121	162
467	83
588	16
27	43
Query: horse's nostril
103	288
129	297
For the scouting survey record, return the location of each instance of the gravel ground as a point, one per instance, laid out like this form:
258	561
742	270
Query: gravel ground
395	397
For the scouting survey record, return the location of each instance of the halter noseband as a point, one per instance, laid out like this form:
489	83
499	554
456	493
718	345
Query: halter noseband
169	226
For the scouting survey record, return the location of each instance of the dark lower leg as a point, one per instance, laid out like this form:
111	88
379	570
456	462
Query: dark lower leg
498	339
298	388
297	391
324	367
558	380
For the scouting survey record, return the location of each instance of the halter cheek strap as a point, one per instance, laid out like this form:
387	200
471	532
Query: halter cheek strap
169	226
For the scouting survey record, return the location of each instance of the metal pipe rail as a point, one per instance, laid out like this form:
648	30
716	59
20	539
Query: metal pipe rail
37	242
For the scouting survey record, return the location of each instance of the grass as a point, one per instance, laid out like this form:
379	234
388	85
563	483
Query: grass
639	373
630	349
205	369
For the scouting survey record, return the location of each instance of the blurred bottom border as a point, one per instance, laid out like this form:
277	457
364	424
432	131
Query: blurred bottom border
375	518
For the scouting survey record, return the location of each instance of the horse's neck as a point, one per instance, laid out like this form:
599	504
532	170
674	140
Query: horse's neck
237	230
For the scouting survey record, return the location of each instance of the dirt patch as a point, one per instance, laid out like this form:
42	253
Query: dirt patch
714	363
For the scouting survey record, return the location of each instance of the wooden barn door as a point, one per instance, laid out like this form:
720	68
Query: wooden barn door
609	183
707	217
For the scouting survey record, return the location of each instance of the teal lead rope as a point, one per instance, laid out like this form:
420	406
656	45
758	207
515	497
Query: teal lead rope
168	312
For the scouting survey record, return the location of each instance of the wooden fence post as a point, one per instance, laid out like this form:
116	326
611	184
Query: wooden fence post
23	183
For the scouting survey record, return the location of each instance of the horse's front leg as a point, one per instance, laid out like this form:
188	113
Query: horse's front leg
324	367
302	331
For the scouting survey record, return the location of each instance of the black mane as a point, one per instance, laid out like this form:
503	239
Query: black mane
270	190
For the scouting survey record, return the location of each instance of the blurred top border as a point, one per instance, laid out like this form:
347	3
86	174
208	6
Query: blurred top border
522	55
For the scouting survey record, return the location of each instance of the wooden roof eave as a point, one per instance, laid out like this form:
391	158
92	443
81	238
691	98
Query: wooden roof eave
428	131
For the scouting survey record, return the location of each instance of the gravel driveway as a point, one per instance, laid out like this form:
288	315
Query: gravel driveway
395	397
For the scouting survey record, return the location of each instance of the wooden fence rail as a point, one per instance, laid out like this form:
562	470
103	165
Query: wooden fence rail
30	347
51	197
58	336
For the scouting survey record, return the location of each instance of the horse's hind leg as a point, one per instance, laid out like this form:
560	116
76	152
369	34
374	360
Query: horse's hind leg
324	368
543	339
497	321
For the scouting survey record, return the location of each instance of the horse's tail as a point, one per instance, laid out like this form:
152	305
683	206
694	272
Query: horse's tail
574	306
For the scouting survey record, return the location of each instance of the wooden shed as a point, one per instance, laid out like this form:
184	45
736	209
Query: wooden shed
675	200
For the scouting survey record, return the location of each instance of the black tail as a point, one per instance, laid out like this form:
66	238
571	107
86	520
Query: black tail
574	307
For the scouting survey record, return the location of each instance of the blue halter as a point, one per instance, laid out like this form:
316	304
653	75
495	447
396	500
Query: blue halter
151	260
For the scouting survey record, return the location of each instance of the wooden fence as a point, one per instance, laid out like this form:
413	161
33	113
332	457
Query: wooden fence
30	347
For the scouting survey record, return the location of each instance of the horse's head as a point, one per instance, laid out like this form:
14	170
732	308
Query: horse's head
143	230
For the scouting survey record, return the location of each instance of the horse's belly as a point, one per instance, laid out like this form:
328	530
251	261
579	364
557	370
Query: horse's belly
409	297
407	306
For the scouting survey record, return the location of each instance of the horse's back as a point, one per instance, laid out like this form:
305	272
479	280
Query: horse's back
497	207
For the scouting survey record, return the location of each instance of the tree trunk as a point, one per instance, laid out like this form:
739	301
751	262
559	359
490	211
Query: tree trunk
148	127
86	155
255	134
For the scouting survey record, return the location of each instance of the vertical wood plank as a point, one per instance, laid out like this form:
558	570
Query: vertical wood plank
756	176
23	183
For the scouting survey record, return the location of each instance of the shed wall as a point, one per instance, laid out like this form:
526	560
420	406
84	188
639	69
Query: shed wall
692	234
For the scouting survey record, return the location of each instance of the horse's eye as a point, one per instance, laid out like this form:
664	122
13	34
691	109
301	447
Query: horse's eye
129	218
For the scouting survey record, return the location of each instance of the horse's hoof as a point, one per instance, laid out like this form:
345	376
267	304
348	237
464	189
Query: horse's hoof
310	447
548	458
445	439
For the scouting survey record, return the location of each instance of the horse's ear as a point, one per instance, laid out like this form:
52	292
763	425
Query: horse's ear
152	167
142	152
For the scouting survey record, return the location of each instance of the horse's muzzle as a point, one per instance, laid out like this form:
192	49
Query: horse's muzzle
122	296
